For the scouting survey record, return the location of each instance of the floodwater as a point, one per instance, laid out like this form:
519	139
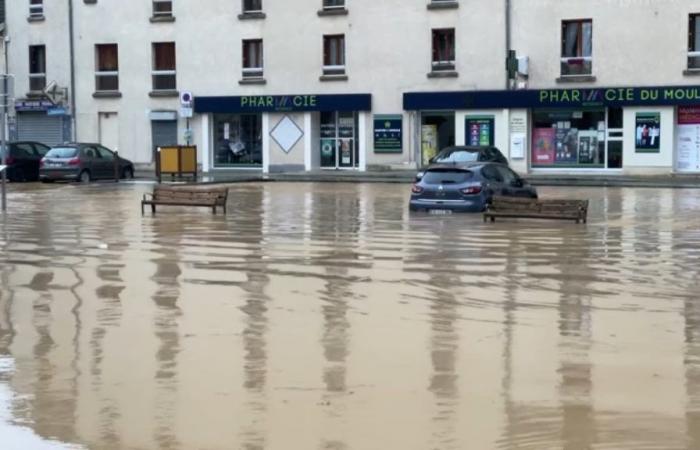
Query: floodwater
325	316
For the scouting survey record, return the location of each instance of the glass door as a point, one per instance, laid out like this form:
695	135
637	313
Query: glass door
339	149
614	138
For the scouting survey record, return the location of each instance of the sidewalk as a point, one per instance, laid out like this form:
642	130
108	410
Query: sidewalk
407	176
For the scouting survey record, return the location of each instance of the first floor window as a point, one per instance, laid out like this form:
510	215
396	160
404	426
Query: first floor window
36	8
444	49
252	58
238	140
333	4
250	6
162	8
164	74
577	47
694	41
37	67
106	67
334	54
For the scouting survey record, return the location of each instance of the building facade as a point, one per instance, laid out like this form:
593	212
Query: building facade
359	84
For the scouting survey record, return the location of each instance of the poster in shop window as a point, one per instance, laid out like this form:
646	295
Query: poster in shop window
428	143
588	147
566	146
543	146
648	133
479	130
688	139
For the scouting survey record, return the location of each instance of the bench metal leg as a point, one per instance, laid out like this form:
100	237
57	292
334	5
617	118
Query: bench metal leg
493	220
213	210
153	208
142	208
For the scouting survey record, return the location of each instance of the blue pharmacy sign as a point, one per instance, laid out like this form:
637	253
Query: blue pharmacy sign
282	103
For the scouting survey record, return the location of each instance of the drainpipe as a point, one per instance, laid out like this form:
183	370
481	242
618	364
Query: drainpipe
507	5
71	32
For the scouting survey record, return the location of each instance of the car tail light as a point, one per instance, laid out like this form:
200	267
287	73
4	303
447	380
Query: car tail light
471	190
416	189
74	162
42	161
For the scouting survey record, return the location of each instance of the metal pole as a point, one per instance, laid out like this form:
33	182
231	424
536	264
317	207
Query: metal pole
508	39
3	122
71	32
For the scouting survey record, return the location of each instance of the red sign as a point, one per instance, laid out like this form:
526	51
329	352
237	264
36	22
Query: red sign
689	115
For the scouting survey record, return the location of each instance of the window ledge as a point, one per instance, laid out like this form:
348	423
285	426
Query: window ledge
443	74
168	93
251	81
332	12
35	94
443	5
106	94
576	79
251	16
338	77
162	19
692	72
36	19
90	2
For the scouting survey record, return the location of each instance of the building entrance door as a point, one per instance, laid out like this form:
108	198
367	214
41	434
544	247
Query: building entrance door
109	130
339	147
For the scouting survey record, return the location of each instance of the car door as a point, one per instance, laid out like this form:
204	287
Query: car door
514	186
107	161
23	154
92	161
494	180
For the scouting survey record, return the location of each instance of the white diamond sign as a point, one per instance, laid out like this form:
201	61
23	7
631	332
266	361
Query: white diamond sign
286	134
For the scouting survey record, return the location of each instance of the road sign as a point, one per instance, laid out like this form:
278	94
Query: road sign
186	113
186	99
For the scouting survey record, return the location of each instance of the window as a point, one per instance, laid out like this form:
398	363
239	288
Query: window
36	8
37	67
333	4
444	49
162	8
577	47
334	54
251	6
694	41
238	139
106	67
164	75
253	58
568	138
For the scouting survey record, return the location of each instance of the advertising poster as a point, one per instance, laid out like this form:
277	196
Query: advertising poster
566	146
648	133
588	147
688	139
346	127
388	133
543	146
327	152
345	152
428	143
479	131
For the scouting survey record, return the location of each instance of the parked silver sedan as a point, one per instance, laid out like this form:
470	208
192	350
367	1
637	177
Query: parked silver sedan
82	162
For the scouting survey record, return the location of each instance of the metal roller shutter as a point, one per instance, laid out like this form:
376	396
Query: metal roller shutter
164	133
40	127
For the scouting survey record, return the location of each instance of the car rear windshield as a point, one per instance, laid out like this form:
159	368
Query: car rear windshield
62	152
458	156
446	176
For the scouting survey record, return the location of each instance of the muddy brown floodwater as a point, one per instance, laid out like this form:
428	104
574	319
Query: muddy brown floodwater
325	316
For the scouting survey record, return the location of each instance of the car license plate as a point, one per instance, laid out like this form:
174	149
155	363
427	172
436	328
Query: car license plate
440	212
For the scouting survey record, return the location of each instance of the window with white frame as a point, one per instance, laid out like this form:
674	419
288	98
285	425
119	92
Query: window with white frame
694	41
334	54
252	6
164	72
577	47
106	67
36	8
162	8
443	49
333	4
252	58
37	67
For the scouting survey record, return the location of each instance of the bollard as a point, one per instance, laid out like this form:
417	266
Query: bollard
116	167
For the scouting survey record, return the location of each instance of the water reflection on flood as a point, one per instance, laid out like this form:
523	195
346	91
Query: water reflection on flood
327	317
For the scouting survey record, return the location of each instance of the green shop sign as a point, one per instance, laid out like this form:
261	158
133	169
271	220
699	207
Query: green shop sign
388	133
554	98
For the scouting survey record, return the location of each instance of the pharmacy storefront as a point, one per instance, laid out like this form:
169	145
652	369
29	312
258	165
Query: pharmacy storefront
625	130
284	133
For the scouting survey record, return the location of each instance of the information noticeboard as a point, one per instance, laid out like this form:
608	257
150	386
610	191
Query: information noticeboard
479	131
388	133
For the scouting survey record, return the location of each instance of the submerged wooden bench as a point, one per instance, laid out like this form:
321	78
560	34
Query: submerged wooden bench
186	196
554	209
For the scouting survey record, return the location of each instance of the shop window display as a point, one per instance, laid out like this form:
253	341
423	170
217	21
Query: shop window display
238	139
568	139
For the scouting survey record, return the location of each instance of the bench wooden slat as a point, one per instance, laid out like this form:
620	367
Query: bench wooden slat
186	196
513	207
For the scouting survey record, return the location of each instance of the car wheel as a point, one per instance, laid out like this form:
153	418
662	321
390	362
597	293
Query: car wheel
17	176
128	173
84	177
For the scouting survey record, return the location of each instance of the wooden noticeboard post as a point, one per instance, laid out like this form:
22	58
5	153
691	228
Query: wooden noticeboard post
178	160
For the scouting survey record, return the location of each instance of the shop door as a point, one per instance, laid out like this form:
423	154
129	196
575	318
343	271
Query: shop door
163	134
109	130
339	148
40	127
